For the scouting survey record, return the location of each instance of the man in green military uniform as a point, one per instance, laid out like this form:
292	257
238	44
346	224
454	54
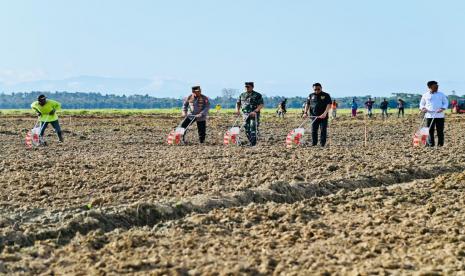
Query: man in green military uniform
46	110
250	103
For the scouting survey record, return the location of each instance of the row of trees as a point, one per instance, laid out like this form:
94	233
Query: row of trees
79	100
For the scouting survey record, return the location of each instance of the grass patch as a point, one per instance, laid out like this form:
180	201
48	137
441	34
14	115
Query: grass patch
127	112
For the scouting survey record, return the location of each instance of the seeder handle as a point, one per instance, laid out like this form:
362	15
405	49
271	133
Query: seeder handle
424	118
37	122
43	123
238	117
188	116
303	123
237	120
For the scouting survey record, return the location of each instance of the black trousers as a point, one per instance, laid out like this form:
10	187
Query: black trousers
54	124
201	127
438	124
401	111
323	124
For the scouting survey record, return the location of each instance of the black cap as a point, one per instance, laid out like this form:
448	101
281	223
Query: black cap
431	83
41	97
195	88
316	84
249	83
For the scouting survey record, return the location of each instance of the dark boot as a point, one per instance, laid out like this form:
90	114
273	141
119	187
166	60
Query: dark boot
42	141
253	139
202	131
60	137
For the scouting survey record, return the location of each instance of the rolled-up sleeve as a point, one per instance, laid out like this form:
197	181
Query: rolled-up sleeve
422	102
185	104
206	107
445	102
57	105
328	100
33	106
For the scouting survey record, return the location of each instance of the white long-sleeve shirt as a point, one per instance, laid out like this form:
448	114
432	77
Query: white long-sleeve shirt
433	102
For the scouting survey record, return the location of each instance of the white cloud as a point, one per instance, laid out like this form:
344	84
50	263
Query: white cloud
167	86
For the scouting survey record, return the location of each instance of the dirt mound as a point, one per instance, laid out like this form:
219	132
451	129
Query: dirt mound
405	228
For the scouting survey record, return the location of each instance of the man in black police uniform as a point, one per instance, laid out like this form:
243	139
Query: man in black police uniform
318	104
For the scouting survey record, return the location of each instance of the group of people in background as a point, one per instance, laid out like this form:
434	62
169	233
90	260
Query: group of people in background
384	105
317	107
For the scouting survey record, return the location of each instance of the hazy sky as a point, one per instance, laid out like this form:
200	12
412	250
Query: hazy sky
352	47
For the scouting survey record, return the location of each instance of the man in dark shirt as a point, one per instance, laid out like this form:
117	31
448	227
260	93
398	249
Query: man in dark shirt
400	107
369	107
384	107
318	105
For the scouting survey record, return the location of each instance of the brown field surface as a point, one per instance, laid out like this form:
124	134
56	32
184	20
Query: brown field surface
115	198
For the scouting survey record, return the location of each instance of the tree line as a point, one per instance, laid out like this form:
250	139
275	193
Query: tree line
80	100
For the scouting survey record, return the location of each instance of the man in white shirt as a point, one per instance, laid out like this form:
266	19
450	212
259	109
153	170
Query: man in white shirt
433	104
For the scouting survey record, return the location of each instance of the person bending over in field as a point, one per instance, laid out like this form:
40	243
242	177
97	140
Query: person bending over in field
46	111
281	111
196	107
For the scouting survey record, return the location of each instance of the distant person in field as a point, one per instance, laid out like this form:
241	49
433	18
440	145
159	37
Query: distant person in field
369	106
400	107
433	104
384	108
318	105
281	111
354	107
46	110
303	107
218	108
196	107
334	109
454	106
250	103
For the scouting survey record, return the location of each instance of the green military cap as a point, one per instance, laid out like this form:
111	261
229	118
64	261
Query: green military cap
195	88
249	83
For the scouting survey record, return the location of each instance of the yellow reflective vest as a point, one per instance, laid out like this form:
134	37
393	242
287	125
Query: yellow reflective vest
46	109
